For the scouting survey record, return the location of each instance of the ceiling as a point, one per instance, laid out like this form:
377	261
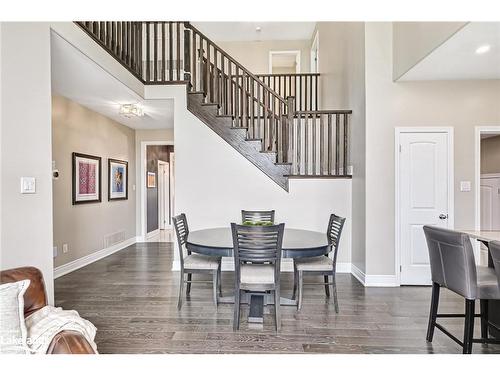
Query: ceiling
246	31
456	59
80	79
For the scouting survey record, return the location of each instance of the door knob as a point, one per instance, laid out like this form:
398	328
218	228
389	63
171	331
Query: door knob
443	216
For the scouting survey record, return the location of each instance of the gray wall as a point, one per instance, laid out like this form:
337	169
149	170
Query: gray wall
153	154
84	227
26	220
255	55
342	86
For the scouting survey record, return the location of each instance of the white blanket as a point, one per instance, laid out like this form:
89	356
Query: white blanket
44	324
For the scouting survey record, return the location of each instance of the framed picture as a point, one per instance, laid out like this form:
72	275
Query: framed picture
151	180
86	178
117	179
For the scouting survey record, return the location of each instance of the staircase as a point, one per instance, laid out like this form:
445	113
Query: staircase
272	120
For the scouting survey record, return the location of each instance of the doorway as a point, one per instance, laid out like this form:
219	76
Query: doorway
284	62
487	184
424	196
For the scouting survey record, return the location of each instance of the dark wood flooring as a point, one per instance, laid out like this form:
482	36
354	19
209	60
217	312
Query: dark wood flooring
131	297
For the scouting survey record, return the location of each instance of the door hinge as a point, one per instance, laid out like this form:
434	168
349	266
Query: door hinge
399	148
400	269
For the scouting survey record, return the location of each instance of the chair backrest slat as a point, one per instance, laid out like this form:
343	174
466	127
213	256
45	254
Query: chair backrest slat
256	216
182	231
495	255
259	244
452	260
334	231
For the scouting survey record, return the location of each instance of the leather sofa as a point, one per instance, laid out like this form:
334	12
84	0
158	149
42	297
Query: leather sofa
65	342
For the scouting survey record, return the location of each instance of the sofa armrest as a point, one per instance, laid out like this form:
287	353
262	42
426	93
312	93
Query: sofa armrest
69	342
35	297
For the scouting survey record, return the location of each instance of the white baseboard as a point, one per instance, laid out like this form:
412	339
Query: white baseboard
153	233
91	258
381	280
358	274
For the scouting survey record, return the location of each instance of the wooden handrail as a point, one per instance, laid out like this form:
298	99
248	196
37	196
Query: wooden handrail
288	74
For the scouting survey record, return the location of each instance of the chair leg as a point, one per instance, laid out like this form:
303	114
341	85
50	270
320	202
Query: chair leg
236	319
277	318
433	312
301	282
181	290
215	285
220	279
295	280
484	318
188	286
327	287
335	299
468	326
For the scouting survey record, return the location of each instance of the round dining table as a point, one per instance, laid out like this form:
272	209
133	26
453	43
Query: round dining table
297	243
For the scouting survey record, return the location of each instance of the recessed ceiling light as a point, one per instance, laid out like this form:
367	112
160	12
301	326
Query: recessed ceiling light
258	29
483	49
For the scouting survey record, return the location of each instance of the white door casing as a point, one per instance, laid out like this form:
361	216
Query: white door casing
424	188
163	195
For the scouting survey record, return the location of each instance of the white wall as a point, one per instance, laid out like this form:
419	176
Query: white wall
459	104
26	220
213	182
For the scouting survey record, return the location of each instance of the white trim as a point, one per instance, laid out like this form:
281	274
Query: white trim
358	274
289	52
141	193
91	258
167	164
490	175
152	234
382	279
314	44
478	130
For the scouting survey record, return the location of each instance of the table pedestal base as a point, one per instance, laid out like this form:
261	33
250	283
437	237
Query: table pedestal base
257	301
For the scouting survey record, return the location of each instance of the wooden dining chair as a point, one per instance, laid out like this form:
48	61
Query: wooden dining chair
321	265
257	258
257	216
194	263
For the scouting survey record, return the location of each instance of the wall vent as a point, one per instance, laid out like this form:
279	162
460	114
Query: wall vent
114	238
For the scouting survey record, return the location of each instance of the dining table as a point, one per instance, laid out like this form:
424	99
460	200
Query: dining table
485	237
297	243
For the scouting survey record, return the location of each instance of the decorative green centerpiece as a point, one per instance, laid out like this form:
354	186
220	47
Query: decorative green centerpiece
257	223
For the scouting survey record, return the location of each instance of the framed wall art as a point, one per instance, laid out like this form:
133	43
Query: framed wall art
117	179
86	178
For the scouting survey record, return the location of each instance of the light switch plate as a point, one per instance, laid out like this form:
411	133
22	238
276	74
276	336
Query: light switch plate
28	185
465	186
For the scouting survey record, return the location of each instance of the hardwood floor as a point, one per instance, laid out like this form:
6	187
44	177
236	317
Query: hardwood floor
131	297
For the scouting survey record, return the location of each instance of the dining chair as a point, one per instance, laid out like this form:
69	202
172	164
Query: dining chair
257	216
320	265
257	261
453	267
194	263
494	248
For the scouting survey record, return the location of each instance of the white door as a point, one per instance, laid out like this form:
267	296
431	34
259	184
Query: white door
423	199
163	195
490	202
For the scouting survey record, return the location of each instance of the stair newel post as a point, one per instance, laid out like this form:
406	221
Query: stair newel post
289	127
187	55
